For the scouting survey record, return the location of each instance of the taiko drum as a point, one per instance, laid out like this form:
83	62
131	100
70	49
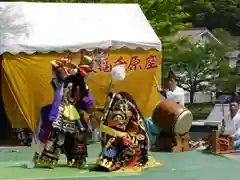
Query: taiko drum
171	117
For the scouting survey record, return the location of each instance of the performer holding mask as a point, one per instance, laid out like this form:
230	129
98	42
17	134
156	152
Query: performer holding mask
174	93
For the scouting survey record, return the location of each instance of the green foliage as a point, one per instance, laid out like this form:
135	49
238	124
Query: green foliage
228	77
64	1
202	67
200	111
214	14
228	83
198	64
165	16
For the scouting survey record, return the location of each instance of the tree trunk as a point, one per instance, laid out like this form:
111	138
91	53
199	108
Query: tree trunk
192	97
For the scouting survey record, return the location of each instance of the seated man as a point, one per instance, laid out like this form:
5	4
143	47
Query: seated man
231	125
174	93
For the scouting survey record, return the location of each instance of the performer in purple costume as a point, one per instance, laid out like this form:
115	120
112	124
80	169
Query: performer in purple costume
87	103
58	133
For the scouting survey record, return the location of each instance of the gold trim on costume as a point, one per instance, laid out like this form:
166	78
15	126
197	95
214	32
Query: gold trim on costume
112	132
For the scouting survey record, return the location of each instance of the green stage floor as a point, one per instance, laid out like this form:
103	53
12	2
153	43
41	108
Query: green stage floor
193	165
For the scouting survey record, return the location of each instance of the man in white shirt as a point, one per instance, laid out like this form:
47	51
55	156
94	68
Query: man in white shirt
174	93
231	125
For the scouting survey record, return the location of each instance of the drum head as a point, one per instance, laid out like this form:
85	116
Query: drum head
184	122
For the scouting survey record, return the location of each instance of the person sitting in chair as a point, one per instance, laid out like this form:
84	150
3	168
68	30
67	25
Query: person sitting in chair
231	125
174	93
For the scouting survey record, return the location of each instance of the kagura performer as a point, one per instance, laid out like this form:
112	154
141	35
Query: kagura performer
124	139
62	128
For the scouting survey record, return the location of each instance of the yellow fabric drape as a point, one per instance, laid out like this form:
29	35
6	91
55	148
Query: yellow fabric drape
26	84
11	106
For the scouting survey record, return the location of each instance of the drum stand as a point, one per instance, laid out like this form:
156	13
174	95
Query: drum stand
173	143
182	143
220	144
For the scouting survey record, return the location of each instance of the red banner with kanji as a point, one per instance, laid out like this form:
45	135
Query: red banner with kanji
133	59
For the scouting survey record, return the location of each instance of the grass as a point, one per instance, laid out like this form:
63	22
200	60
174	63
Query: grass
200	110
200	107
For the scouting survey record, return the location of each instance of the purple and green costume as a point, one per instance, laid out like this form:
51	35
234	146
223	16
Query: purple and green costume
65	132
50	112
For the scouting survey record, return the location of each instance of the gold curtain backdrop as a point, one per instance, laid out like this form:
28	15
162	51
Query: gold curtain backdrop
26	81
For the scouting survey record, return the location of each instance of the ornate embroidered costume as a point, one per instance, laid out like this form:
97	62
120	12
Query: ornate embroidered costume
124	139
63	128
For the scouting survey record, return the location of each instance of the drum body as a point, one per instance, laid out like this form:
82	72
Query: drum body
171	117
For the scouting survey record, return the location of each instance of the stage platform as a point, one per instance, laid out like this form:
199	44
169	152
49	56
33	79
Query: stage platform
193	165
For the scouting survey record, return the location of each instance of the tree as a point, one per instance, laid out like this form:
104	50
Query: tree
228	76
214	14
64	1
197	64
165	16
227	80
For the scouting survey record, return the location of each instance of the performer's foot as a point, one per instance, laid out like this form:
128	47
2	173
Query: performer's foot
79	163
82	163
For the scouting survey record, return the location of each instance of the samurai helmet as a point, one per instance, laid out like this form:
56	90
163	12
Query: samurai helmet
88	64
86	60
89	60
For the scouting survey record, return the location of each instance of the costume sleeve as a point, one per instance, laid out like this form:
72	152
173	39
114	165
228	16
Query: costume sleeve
58	70
86	103
163	93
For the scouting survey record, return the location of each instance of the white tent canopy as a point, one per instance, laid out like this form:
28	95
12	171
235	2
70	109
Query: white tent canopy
44	27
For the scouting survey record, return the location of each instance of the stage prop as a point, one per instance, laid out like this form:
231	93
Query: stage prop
174	122
219	144
216	142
